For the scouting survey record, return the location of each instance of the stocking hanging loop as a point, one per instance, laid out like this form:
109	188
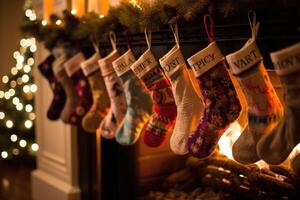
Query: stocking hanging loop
174	28
113	40
148	36
209	28
95	45
253	24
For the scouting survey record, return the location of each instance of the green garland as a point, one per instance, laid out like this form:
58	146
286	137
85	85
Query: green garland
127	17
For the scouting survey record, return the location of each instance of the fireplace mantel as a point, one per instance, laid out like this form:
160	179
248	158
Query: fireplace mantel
57	173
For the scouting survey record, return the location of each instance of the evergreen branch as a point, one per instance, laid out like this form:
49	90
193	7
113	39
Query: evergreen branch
126	17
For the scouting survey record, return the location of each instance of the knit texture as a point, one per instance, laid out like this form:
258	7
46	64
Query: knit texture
100	107
275	147
222	107
59	95
139	103
164	114
71	94
82	88
139	109
115	90
186	99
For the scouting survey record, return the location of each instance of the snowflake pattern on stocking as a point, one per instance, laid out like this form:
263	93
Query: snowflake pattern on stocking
221	108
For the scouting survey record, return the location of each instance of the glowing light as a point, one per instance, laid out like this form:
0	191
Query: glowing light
5	79
4	154
23	143
13	138
30	61
28	124
19	66
20	59
35	147
33	40
33	88
262	164
228	138
294	152
28	12
14	71
33	48
16	54
73	11
22	43
25	78
19	106
15	100
28	108
27	42
12	92
101	16
26	88
6	95
1	94
2	115
32	116
32	17
26	68
9	124
13	84
58	22
135	3
44	22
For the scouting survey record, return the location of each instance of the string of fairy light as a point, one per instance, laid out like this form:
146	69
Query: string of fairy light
24	66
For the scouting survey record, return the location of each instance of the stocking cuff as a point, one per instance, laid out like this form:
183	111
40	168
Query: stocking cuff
144	64
73	64
287	60
90	65
205	59
172	61
106	63
58	64
244	58
123	63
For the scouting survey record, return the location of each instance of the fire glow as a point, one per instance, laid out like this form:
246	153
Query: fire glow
232	134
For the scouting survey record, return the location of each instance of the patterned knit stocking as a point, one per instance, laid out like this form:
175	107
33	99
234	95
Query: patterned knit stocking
115	90
164	110
264	107
139	103
189	104
275	147
59	95
100	107
222	105
71	94
81	85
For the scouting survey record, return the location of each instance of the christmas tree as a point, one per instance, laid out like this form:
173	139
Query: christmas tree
17	91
